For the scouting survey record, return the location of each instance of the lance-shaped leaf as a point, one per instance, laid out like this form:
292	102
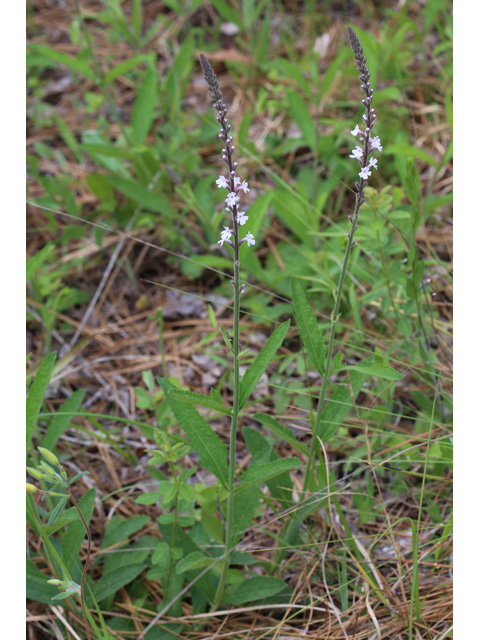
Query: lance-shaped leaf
281	431
308	327
200	399
247	491
256	588
37	391
211	450
261	362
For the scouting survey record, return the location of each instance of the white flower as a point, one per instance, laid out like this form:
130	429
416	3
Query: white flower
226	234
376	144
355	131
249	239
241	218
373	163
236	182
232	199
357	153
365	173
222	182
244	187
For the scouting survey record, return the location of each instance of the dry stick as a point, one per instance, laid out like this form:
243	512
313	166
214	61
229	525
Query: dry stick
87	559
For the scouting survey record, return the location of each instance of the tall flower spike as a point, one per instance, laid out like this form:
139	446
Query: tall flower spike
369	144
233	183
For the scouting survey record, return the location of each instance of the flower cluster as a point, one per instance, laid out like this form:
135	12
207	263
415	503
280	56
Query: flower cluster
233	183
361	152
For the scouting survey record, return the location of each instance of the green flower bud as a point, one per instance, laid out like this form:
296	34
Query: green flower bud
54	581
51	457
31	488
37	474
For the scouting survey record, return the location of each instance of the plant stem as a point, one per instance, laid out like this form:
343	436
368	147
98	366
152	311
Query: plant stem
85	568
234	423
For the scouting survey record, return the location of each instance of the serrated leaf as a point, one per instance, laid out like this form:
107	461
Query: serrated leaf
281	486
195	560
211	450
36	394
261	362
378	370
262	472
308	327
257	588
201	400
281	431
144	107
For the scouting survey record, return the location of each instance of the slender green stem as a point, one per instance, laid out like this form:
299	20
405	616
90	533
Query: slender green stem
85	568
328	359
234	423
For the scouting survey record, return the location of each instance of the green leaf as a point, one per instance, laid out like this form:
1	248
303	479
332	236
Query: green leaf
257	588
302	117
195	560
57	511
211	450
261	362
412	182
414	152
123	68
142	195
37	392
75	534
60	422
308	327
281	486
114	580
281	431
37	587
200	399
119	529
339	405
36	261
74	64
144	107
378	370
262	472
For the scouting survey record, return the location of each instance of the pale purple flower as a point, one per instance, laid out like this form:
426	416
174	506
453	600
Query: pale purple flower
241	218
356	130
225	236
376	144
249	239
236	182
365	173
222	182
357	153
373	163
232	199
244	187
